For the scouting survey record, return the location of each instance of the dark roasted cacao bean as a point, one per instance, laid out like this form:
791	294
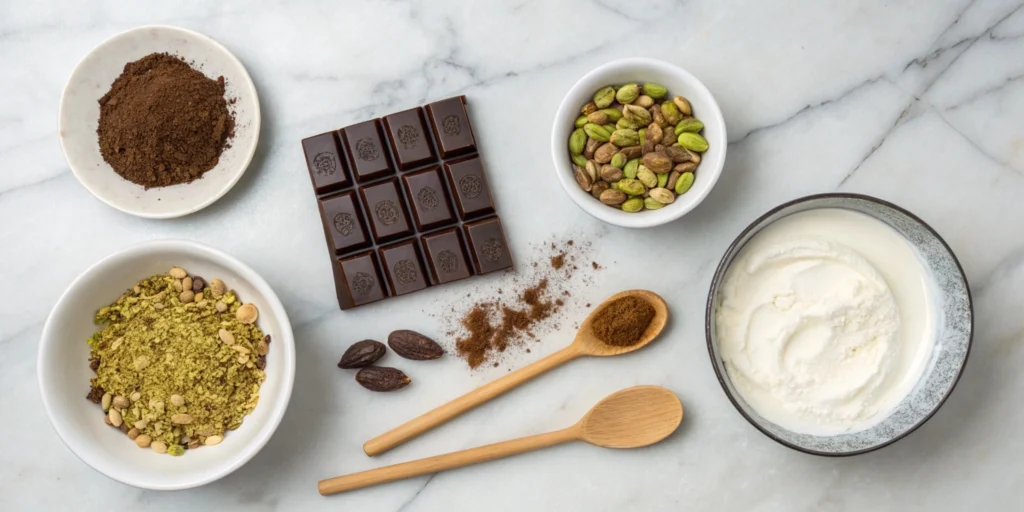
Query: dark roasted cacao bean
382	378
362	354
413	345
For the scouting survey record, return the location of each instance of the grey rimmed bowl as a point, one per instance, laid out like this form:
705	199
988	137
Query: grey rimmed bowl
952	341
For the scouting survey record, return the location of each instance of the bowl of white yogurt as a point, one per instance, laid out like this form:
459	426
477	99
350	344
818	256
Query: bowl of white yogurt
838	323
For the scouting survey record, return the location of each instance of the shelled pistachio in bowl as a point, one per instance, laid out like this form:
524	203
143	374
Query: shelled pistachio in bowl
635	148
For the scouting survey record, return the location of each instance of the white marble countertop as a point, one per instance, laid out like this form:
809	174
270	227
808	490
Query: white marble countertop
919	103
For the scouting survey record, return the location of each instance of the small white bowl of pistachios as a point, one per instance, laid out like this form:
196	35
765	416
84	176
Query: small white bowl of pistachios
638	142
166	365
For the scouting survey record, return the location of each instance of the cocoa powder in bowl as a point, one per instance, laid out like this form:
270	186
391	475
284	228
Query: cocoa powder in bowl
623	322
163	123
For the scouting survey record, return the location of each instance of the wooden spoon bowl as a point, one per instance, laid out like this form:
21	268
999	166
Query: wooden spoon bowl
588	344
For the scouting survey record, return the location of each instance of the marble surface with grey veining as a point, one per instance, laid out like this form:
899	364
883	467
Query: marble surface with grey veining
917	102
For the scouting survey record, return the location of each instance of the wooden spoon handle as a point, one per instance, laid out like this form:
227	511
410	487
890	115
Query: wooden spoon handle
443	462
431	419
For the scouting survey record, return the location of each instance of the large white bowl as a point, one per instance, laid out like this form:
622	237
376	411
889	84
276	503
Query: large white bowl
80	115
679	83
64	372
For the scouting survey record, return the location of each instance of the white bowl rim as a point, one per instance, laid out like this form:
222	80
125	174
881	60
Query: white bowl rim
285	337
248	85
611	215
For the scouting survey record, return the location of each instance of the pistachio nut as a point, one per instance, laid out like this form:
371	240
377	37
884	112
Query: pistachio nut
685	167
579	160
631	152
598	117
631	187
610	127
636	114
654	133
598	188
593	144
643	101
577	141
631	168
619	160
642	135
647	177
651	204
632	205
659	148
657	162
613	197
592	169
671	113
693	142
627	123
683	105
580	121
694	156
647	147
605	153
613	114
684	183
604	97
654	90
588	108
672	178
662	195
668	138
624	138
657	116
627	93
610	173
597	132
662	180
689	124
676	153
582	178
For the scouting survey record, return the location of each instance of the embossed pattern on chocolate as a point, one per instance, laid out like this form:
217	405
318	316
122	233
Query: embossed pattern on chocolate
396	195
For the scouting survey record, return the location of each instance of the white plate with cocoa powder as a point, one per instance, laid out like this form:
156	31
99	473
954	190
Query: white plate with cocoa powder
80	115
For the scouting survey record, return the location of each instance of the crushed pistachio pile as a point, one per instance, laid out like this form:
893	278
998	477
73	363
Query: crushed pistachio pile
178	362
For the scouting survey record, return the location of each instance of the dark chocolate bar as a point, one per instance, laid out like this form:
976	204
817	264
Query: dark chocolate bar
405	203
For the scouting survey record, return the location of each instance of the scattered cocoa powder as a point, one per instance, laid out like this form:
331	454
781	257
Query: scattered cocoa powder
163	123
520	306
557	262
623	322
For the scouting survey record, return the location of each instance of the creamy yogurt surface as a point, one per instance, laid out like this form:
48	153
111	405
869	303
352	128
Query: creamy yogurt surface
826	321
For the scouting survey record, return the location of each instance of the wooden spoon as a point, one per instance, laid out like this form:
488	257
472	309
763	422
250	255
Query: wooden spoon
631	418
585	344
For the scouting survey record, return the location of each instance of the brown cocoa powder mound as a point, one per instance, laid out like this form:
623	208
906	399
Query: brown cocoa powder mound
623	322
163	123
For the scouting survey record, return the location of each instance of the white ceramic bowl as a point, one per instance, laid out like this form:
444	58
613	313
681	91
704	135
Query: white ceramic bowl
80	114
679	83
64	371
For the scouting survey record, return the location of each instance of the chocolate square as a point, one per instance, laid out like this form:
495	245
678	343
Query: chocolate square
367	155
487	245
343	222
409	139
386	209
469	186
446	256
358	280
451	127
404	267
325	162
428	199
